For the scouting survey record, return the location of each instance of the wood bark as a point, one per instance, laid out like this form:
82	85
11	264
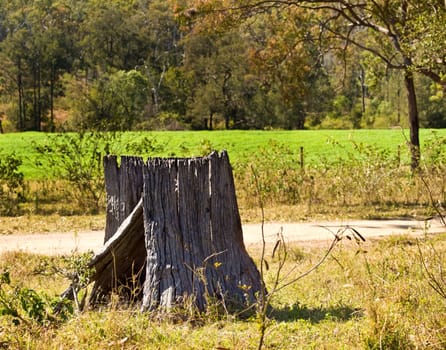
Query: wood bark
123	184
119	266
194	240
413	120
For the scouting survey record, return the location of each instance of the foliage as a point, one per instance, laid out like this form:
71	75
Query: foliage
288	61
12	184
74	268
432	104
77	159
21	304
27	311
35	48
127	65
114	102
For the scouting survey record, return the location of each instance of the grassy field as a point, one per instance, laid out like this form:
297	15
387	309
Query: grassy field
385	294
377	296
319	145
346	173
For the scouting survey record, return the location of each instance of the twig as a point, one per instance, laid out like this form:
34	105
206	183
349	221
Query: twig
437	283
306	273
431	197
264	302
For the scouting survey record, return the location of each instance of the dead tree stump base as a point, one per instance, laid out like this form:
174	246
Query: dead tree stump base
183	234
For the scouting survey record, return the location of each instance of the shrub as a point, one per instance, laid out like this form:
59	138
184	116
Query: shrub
21	304
76	158
11	184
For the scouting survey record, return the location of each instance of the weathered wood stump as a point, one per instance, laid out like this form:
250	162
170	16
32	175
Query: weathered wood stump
193	233
184	234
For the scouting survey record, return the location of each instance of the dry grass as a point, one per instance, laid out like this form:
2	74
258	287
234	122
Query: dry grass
375	298
50	223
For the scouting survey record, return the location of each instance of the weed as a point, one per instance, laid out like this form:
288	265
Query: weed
23	305
74	268
206	147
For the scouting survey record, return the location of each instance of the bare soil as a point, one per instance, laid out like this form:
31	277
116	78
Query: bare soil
60	243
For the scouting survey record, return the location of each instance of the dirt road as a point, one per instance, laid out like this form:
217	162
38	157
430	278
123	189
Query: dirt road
64	243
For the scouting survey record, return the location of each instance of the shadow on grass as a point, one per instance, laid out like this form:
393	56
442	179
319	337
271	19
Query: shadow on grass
315	315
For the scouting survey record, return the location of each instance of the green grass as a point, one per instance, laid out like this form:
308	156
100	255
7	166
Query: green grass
354	173
379	298
319	145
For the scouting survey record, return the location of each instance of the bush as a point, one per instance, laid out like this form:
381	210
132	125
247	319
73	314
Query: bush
21	304
12	184
76	158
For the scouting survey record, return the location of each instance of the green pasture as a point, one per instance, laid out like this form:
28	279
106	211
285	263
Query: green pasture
319	146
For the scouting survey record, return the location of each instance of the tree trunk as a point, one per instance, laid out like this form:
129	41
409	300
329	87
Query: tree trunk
413	120
52	85
21	109
123	186
194	240
36	113
39	99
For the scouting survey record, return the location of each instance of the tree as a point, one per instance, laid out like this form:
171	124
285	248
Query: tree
109	39
257	74
284	56
60	50
165	51
113	102
407	35
432	104
216	62
15	53
36	46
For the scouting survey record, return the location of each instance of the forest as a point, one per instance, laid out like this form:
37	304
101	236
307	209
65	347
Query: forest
73	65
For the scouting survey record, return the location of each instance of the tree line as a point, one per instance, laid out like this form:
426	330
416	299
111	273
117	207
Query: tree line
156	64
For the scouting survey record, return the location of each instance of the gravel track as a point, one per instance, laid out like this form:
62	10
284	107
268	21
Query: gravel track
58	243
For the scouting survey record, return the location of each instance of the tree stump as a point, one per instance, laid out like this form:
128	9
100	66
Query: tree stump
194	236
184	235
